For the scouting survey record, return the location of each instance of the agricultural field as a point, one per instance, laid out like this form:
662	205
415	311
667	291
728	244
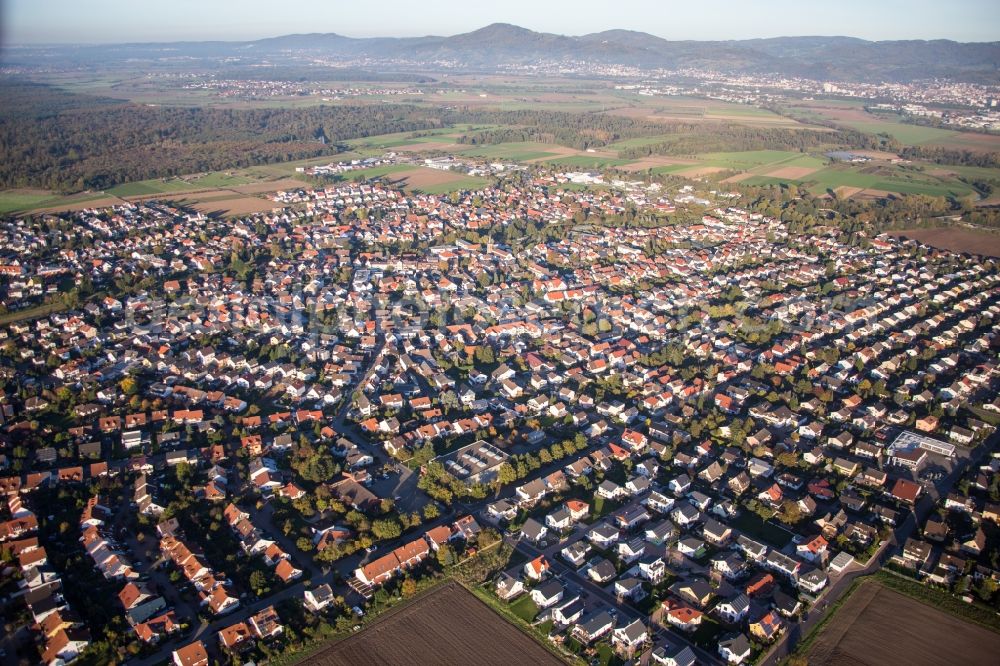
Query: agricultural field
438	181
218	179
877	625
153	187
230	187
751	159
820	175
518	152
693	109
865	178
853	115
447	626
21	200
382	142
587	161
145	188
955	239
224	203
423	179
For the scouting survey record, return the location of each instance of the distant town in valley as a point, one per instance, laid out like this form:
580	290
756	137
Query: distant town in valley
504	347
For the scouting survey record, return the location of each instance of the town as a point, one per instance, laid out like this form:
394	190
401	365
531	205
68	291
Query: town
641	424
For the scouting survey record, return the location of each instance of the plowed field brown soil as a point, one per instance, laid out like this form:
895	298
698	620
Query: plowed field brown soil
447	627
877	626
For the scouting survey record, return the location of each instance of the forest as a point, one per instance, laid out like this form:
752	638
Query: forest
575	130
68	142
940	155
692	139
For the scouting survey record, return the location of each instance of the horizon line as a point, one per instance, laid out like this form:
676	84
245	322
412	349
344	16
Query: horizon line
457	34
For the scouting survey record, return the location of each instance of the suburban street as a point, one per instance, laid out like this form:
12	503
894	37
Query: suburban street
840	584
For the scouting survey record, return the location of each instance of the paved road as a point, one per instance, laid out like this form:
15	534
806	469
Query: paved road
263	519
839	585
591	589
205	631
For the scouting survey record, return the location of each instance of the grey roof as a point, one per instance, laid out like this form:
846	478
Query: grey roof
682	655
532	529
597	621
737	643
739	603
604	569
634	631
550	588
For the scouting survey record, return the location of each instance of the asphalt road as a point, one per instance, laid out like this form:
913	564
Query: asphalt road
591	589
785	645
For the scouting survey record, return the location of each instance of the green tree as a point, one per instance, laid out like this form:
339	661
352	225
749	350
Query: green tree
506	474
258	582
446	555
386	528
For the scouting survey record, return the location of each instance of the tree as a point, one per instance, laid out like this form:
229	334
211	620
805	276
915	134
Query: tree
788	459
790	513
506	474
446	555
408	588
484	353
184	472
487	537
386	528
987	589
129	386
258	582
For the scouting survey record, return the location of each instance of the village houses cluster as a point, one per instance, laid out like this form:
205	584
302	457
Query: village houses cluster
700	426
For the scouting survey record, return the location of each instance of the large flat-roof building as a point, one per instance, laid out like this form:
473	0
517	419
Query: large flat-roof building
478	462
911	441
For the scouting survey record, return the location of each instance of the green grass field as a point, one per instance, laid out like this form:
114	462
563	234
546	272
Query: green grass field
31	313
149	187
219	179
375	172
587	162
875	123
463	183
889	179
17	201
519	152
913	135
752	158
674	168
405	138
525	608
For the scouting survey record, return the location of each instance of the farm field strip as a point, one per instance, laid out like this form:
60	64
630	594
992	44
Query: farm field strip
877	625
955	239
18	200
448	626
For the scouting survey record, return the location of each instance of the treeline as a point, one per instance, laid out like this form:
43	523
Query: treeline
318	75
804	211
574	130
67	142
940	155
693	139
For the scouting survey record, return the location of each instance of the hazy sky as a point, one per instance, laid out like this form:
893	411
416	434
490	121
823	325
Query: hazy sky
104	21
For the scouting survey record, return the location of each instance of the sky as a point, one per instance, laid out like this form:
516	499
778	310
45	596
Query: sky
116	21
